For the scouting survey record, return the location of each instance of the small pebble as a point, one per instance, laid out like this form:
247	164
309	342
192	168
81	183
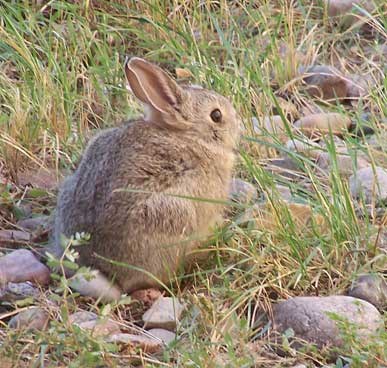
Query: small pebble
343	10
18	291
242	192
30	319
164	335
372	288
164	313
146	343
82	316
346	165
285	167
325	82
272	125
370	182
22	265
306	147
34	223
323	123
90	321
284	192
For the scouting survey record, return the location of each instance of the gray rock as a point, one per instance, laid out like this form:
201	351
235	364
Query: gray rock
371	182
22	265
372	288
18	291
322	124
346	13
325	82
81	317
98	327
308	317
285	167
306	147
242	192
30	319
378	141
164	335
346	165
284	192
269	126
34	223
164	313
146	343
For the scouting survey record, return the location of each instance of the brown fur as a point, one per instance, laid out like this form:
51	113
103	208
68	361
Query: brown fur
124	191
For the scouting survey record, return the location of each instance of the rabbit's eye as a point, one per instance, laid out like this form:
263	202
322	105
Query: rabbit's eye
216	116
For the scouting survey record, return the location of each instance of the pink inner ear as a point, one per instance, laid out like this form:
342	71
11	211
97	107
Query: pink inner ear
158	89
154	86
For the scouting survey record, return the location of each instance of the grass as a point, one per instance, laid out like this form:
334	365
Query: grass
61	79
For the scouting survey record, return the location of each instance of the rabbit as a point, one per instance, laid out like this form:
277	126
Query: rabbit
130	189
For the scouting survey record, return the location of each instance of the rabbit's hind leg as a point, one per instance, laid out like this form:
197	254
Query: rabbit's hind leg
98	286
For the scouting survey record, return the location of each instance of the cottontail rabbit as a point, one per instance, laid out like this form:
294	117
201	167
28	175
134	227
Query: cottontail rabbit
131	187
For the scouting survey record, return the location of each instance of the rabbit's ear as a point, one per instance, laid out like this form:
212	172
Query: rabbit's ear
152	85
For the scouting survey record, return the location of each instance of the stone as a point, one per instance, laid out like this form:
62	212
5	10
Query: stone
146	296
21	265
164	335
372	288
378	141
98	327
8	236
39	178
146	343
18	291
325	82
307	147
308	318
345	10
81	317
358	86
285	167
284	192
242	192
370	182
323	123
271	126
346	165
164	313
338	143
34	223
30	319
